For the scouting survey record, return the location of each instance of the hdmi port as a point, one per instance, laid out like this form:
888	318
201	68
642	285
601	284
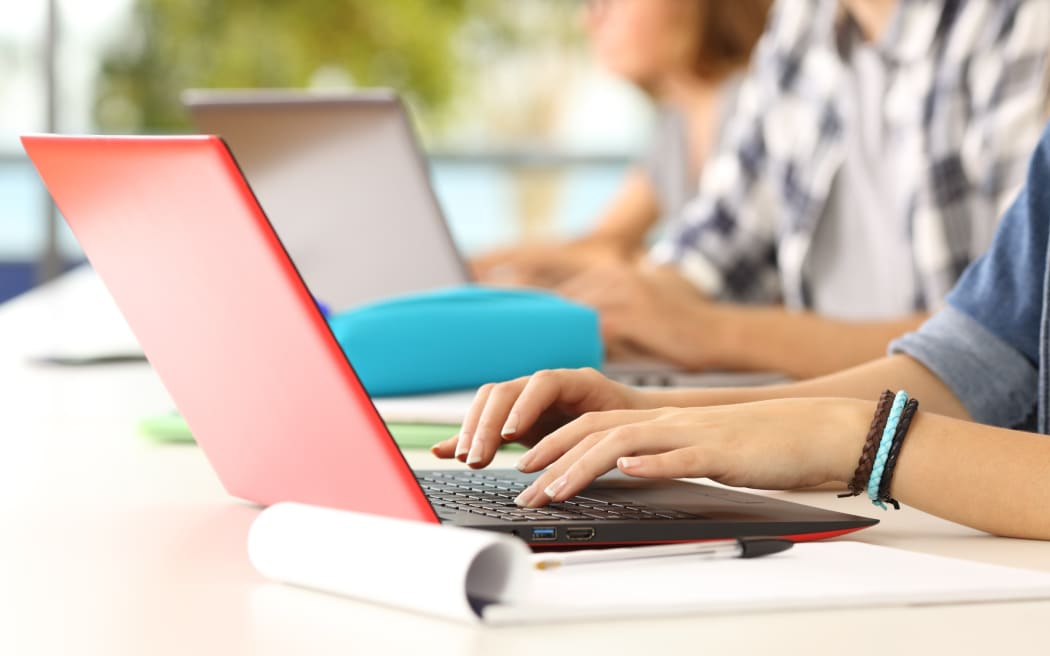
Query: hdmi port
579	533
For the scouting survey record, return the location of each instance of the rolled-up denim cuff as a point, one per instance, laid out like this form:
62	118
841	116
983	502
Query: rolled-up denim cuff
992	379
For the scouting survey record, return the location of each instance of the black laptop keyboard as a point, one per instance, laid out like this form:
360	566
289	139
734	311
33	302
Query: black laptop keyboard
491	496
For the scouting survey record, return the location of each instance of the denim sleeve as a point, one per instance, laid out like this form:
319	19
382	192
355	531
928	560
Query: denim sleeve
993	380
1004	289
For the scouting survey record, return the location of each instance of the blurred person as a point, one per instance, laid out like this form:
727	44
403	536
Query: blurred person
872	146
976	451
685	54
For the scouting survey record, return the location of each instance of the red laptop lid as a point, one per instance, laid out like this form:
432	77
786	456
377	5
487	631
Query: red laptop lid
175	233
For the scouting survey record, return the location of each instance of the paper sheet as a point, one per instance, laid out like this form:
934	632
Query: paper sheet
378	559
809	576
433	569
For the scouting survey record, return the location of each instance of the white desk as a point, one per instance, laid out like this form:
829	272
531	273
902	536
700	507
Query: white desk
113	545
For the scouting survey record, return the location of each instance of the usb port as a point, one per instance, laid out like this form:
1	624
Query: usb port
579	533
541	534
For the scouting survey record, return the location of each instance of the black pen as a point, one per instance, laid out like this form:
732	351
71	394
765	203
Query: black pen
736	548
88	360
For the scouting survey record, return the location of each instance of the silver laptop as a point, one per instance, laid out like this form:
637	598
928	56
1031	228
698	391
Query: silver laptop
344	183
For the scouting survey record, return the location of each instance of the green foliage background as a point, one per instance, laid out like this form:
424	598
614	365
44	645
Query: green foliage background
172	45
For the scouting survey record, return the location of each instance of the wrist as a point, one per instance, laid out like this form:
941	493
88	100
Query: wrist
608	242
845	425
717	341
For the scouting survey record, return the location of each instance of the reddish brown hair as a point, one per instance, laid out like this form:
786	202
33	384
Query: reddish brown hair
729	30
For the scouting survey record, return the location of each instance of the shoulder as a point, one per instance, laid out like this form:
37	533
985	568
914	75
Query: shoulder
791	21
799	37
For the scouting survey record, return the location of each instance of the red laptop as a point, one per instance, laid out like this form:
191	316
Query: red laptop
174	231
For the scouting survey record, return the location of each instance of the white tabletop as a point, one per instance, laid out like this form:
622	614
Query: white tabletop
110	544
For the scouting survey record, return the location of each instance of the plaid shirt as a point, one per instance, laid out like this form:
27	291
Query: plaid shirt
964	93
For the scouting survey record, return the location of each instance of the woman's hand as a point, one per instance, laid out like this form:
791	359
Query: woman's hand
528	408
653	310
545	264
780	444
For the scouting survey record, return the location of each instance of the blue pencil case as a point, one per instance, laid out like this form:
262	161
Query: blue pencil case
463	337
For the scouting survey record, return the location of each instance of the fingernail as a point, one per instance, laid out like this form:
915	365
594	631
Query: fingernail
511	427
461	447
522	500
627	463
523	462
475	454
555	487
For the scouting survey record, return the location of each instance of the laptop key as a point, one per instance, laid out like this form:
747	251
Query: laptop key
493	496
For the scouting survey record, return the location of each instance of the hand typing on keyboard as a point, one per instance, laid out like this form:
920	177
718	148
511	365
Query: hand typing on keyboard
581	425
526	409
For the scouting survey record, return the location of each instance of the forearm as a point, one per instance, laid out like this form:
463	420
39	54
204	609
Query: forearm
865	381
626	221
992	479
799	344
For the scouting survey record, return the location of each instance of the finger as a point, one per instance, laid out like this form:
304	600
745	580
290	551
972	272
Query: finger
665	347
483	265
470	421
584	284
623	351
535	495
689	462
544	390
609	285
558	444
600	296
547	277
546	425
480	270
532	270
486	435
652	334
445	448
503	275
598	454
601	456
616	325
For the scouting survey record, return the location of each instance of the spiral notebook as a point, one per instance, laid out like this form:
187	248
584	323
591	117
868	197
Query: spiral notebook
481	577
